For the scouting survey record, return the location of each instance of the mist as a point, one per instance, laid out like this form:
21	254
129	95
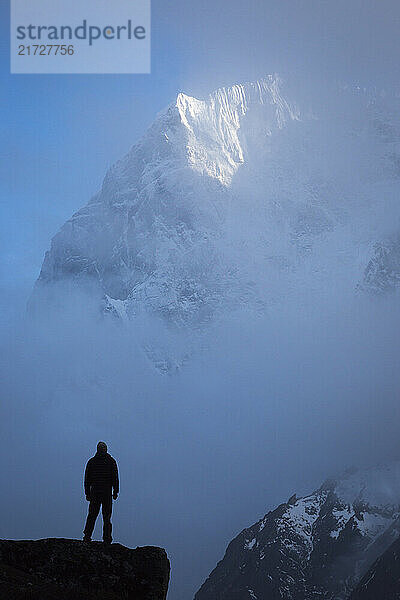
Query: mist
290	386
268	405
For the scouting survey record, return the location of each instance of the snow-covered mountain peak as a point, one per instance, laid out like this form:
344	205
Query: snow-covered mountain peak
315	546
227	202
218	127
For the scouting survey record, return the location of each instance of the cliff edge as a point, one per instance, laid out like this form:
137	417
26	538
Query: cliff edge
65	569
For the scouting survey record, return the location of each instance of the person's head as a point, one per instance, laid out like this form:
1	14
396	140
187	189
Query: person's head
102	448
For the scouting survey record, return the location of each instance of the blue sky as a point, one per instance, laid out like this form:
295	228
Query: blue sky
59	133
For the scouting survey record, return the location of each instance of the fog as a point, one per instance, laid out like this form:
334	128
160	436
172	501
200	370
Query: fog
277	395
281	391
269	405
311	42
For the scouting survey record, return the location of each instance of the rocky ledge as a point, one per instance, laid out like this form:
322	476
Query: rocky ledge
64	569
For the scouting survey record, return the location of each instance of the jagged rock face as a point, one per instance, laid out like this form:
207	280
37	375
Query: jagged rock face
69	570
238	200
148	240
382	580
312	547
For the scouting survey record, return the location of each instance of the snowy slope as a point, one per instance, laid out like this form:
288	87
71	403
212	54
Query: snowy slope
312	547
148	238
235	200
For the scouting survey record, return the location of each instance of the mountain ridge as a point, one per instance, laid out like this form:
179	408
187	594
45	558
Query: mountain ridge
315	546
228	203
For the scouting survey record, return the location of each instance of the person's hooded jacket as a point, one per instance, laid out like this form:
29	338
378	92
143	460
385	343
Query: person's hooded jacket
101	475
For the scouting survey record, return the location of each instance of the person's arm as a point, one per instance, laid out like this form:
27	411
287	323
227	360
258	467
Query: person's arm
115	480
87	481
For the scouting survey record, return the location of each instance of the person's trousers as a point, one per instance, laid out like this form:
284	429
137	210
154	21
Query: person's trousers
105	501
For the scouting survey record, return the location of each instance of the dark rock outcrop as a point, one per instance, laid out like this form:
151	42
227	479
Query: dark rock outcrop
63	569
382	580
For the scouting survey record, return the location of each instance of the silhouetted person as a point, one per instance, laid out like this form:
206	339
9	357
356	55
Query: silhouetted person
101	486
